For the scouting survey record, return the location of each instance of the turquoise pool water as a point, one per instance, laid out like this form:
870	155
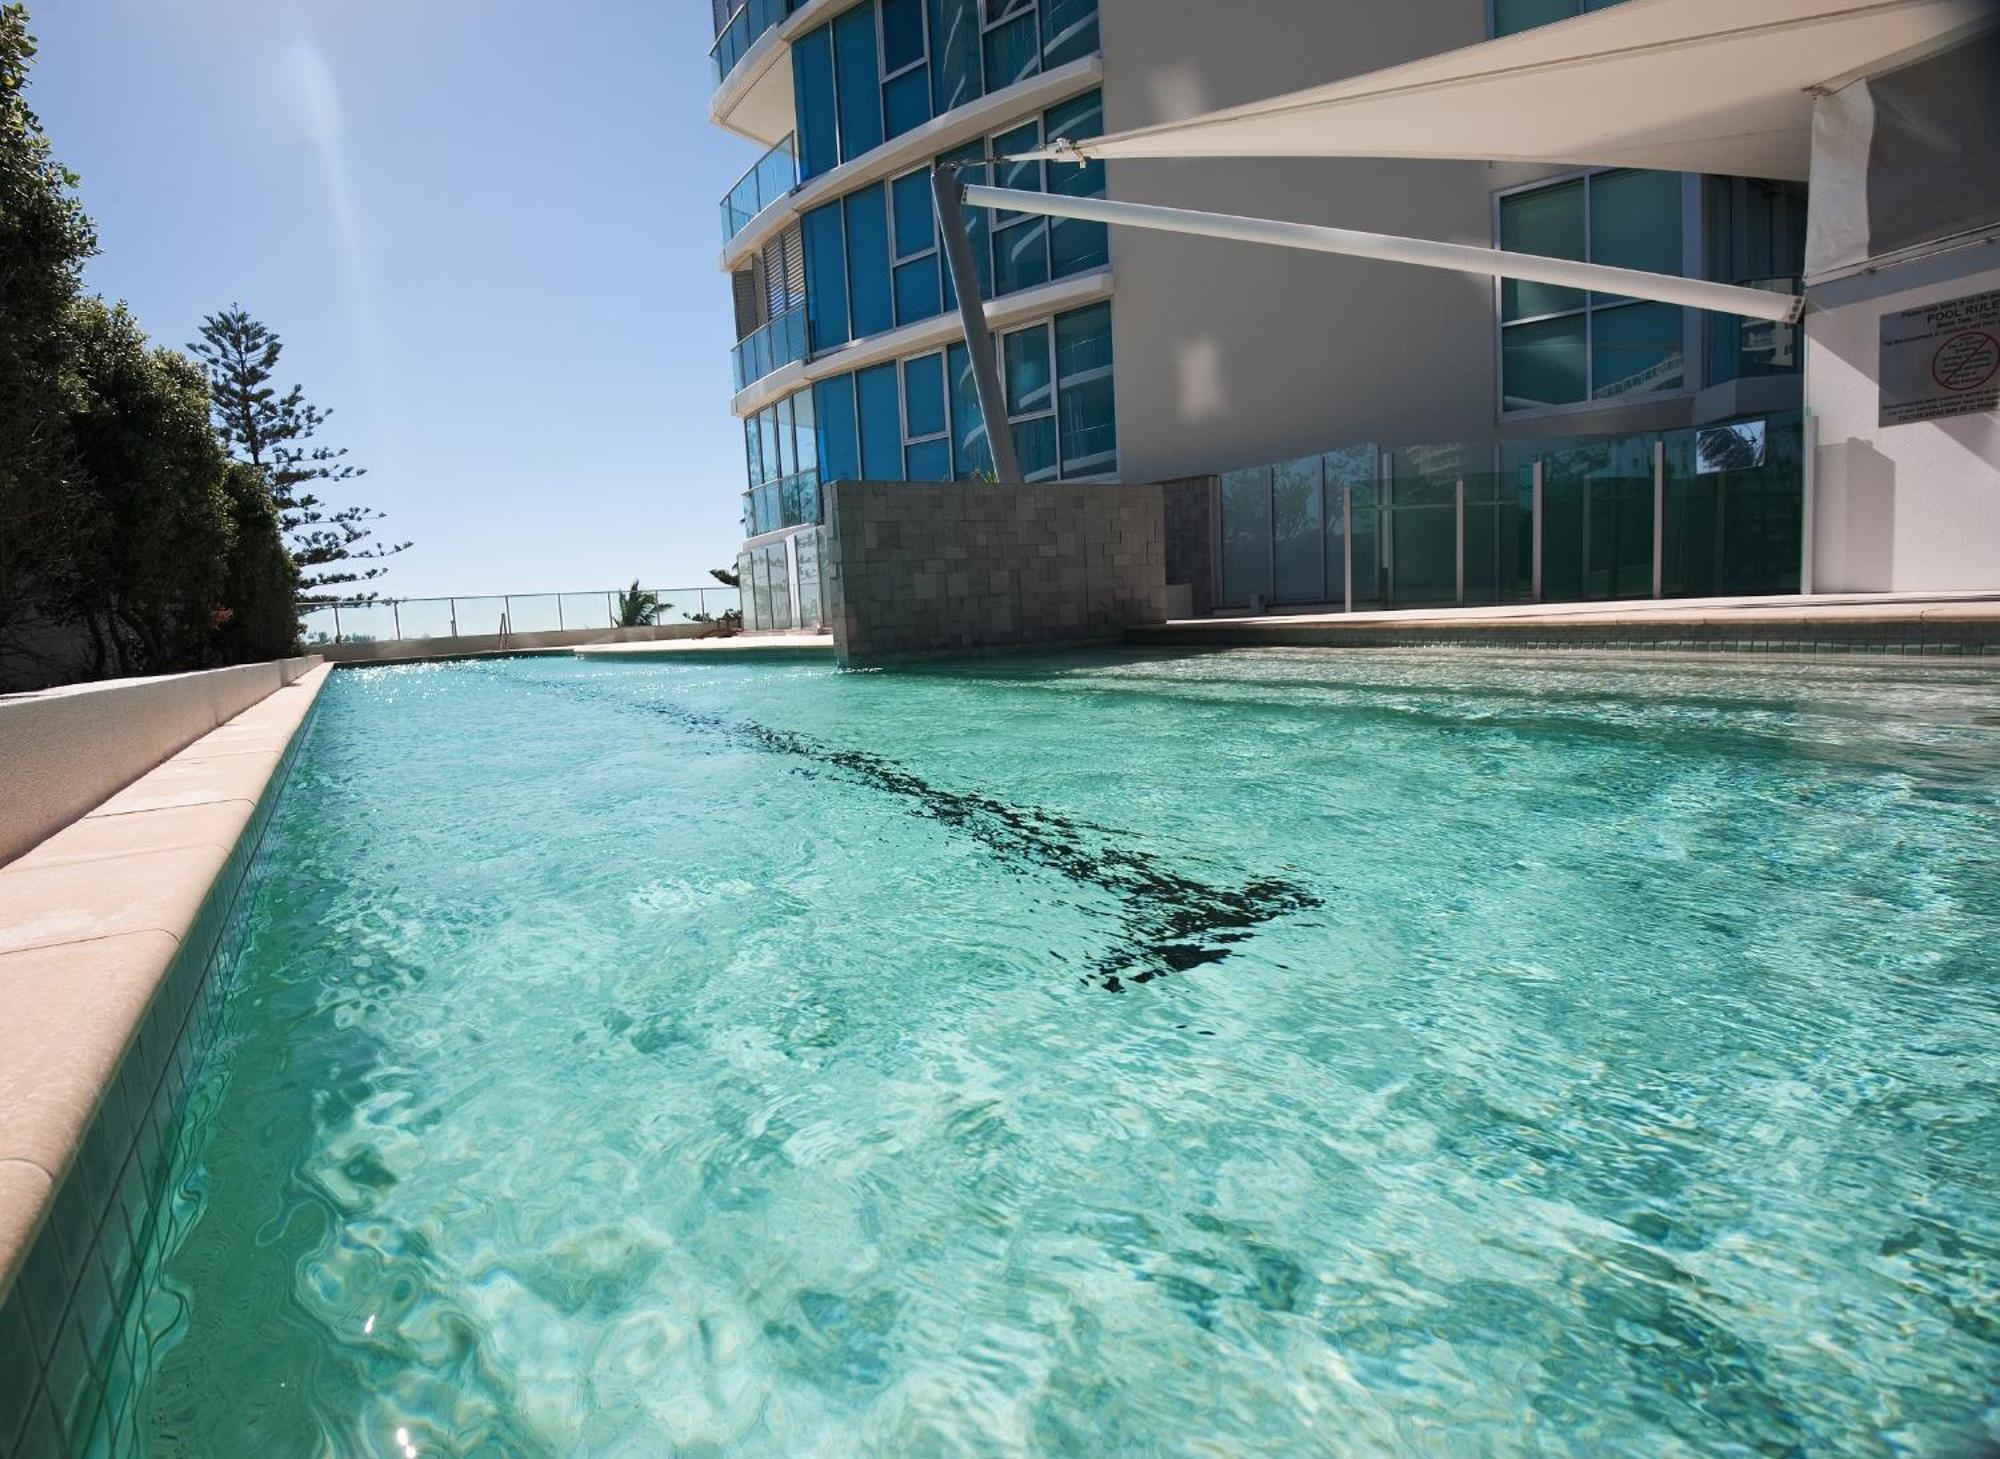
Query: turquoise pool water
1263	1053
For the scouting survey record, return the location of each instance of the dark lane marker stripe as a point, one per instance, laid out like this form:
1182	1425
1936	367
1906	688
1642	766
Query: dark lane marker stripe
1172	922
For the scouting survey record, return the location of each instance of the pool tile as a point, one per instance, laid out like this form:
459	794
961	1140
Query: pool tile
20	1371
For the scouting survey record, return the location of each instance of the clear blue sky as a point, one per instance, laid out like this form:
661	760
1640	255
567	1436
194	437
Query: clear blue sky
486	230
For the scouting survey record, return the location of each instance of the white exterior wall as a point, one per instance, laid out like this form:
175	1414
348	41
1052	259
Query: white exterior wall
1899	508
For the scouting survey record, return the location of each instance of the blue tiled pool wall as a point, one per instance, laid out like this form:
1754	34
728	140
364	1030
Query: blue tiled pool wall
87	1313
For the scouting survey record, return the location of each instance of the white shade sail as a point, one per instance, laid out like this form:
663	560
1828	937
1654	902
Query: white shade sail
1717	86
1459	257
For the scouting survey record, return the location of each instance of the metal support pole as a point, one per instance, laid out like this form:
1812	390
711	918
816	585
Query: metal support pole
336	623
1660	517
559	617
1459	497
1347	545
396	615
1809	502
1385	527
948	195
454	616
1535	507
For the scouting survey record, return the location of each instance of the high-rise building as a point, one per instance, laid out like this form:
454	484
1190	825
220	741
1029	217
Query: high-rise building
1415	419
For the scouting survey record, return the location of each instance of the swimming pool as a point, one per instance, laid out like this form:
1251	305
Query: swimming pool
1266	1052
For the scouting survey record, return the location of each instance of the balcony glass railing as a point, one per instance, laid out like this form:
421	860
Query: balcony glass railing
776	173
790	501
735	38
775	345
1751	349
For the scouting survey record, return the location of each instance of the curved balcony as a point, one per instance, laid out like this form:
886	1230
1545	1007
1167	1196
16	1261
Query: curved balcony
773	175
775	345
739	30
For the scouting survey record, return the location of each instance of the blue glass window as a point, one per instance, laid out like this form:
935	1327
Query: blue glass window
1020	240
775	444
954	53
1086	403
881	424
808	443
1027	372
906	102
923	397
869	301
1563	346
902	34
976	227
1013	49
859	70
1076	246
826	277
1030	386
918	266
926	433
906	89
969	454
1069	30
813	98
839	446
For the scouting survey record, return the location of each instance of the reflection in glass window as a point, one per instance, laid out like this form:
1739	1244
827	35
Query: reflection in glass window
955	78
878	397
813	98
919	269
1087	403
857	70
826	277
970	455
839	442
1561	346
869	301
1075	244
1011	44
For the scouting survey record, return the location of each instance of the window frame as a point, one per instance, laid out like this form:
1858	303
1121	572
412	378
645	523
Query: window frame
1047	328
1693	266
942	436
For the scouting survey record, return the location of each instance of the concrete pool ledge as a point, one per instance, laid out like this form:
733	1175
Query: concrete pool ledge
740	646
1963	624
107	929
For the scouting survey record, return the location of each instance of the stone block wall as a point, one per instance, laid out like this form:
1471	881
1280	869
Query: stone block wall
1193	515
919	569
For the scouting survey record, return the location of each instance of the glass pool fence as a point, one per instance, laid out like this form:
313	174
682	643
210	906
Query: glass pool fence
1703	512
385	619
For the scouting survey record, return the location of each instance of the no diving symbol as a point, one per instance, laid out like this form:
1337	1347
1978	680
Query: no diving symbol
1966	361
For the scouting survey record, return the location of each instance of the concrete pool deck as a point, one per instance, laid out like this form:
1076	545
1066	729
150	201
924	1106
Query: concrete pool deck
1946	624
108	925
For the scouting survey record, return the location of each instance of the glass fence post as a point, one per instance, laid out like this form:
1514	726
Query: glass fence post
1458	496
1808	492
1659	516
1535	528
1347	544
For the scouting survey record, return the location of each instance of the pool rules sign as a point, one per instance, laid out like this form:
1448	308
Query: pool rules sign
1941	360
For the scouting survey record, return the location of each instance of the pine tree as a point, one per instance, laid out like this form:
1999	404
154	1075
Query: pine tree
274	433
